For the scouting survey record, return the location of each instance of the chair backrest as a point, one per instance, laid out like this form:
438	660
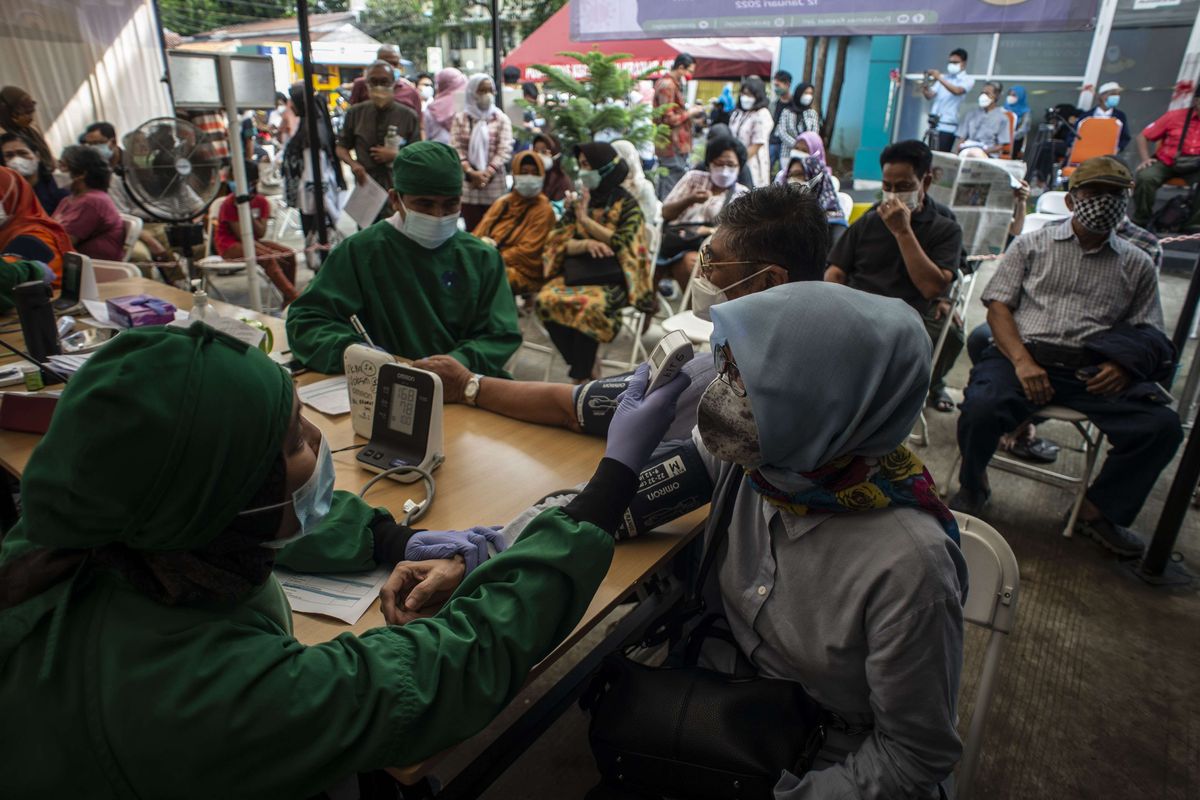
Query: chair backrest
847	204
1053	203
991	604
837	184
133	229
1096	136
1007	150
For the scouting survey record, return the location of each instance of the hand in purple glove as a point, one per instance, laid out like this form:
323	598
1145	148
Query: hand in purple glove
472	545
640	422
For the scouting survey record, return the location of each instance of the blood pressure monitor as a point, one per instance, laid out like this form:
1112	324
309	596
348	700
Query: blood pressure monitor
407	425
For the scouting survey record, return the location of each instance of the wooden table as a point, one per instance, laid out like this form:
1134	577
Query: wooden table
495	468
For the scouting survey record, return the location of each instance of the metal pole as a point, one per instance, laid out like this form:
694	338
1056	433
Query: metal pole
1154	563
238	157
310	127
1186	314
496	76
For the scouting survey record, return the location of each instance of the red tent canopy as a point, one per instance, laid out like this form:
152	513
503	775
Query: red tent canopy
715	58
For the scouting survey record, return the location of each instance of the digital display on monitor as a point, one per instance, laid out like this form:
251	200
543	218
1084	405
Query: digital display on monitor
404	409
657	357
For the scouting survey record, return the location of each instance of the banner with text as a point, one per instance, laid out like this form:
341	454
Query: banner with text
593	20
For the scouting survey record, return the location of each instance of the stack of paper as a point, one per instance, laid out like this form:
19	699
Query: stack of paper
345	597
329	396
68	365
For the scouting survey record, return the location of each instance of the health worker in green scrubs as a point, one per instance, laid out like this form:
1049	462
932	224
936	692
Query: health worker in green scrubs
146	650
419	285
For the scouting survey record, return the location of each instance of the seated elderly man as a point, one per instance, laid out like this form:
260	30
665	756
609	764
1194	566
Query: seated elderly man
418	284
1076	320
907	248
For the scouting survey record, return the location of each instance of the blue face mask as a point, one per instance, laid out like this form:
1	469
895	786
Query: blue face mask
311	502
1112	100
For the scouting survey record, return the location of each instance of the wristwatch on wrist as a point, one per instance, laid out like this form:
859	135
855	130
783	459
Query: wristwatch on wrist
471	391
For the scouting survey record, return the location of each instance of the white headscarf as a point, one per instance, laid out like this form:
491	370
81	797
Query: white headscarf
635	182
478	150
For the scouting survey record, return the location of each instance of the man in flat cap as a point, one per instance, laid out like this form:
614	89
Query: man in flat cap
419	286
1076	321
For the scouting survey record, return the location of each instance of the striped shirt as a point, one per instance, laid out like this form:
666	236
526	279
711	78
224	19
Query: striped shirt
1061	294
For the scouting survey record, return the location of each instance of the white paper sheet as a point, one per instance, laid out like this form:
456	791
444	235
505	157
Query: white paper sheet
99	312
346	597
329	396
365	203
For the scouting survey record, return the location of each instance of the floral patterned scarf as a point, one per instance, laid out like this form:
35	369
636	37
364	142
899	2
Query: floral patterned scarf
858	483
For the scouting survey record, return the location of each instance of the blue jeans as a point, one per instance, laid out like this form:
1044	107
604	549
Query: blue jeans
1144	436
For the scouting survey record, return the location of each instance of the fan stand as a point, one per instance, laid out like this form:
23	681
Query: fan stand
184	236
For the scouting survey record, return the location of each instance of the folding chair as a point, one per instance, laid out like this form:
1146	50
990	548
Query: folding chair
995	582
133	229
1093	443
960	302
1096	136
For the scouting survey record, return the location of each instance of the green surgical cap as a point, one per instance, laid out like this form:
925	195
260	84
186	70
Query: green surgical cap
428	168
158	441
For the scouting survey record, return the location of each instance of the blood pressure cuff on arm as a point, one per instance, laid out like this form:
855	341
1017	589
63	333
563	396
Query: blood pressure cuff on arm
596	402
674	483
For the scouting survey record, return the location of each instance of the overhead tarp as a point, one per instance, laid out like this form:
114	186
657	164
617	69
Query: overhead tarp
715	58
598	20
83	62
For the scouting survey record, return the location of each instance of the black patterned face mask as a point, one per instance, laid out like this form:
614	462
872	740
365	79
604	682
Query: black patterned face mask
1101	213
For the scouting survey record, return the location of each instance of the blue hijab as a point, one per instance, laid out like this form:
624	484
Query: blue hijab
1020	108
836	379
726	98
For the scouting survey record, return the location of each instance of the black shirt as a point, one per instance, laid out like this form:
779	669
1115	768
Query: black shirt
870	256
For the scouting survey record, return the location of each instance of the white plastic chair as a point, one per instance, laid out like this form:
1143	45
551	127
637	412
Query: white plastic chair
1093	444
995	582
133	229
1053	203
847	204
837	184
107	271
697	330
1037	221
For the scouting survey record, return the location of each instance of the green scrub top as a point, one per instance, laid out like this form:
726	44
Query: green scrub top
144	700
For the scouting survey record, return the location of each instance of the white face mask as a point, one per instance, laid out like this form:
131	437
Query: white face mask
727	426
485	101
425	229
984	101
25	167
911	199
426	92
724	177
528	185
706	294
747	102
311	502
547	161
806	99
953	68
104	150
1012	99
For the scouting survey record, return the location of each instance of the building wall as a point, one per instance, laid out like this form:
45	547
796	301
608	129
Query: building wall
852	107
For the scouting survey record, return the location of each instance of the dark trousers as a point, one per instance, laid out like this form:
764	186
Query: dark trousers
578	349
950	350
945	141
978	340
1144	436
1145	189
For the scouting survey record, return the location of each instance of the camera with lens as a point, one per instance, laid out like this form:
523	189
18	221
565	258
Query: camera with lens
934	119
928	80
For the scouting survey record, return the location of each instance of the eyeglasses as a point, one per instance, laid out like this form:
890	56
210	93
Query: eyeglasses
727	370
706	263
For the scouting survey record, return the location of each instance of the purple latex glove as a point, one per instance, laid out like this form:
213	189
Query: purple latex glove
640	423
472	545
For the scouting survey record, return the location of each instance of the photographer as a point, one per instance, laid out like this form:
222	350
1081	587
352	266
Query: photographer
1054	136
946	90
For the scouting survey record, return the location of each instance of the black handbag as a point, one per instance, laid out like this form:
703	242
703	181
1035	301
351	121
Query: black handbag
588	271
695	734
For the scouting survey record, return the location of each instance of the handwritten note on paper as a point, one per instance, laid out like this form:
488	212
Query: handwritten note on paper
361	365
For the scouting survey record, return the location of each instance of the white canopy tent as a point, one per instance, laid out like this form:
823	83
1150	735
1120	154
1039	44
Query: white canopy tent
84	61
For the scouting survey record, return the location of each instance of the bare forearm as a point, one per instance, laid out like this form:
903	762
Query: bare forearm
752	150
835	275
596	230
344	155
529	401
1143	147
672	210
930	279
950	87
1005	333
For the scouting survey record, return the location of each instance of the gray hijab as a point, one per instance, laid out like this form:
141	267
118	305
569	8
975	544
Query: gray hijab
829	370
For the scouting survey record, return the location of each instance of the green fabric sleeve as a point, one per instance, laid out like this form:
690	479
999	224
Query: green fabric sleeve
15	272
285	720
494	335
342	543
318	321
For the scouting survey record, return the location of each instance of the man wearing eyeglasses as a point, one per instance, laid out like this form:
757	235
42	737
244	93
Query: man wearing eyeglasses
764	238
375	130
